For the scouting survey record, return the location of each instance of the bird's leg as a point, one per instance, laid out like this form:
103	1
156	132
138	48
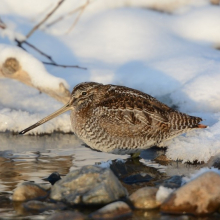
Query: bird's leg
135	155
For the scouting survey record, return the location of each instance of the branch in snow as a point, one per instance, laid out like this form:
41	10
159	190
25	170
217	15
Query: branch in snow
35	48
2	24
215	2
48	15
19	43
80	8
78	17
65	66
12	68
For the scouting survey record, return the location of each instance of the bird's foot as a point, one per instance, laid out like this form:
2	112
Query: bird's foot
135	155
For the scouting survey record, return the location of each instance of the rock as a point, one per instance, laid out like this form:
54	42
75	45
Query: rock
145	198
137	178
53	178
45	186
112	211
198	197
42	206
90	185
67	215
162	159
173	182
29	191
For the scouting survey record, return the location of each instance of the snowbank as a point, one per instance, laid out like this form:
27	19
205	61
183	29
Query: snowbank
36	70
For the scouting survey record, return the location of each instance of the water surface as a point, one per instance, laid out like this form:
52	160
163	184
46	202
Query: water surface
31	158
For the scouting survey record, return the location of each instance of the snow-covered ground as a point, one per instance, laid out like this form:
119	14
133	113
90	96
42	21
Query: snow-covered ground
170	56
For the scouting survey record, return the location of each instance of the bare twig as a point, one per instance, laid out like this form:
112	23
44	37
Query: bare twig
39	51
20	44
2	24
64	16
79	15
65	66
40	23
215	2
68	14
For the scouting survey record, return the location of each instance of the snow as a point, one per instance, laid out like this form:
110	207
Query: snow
188	147
37	72
198	173
170	56
105	164
163	193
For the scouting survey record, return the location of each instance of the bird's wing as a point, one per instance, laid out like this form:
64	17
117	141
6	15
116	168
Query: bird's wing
129	114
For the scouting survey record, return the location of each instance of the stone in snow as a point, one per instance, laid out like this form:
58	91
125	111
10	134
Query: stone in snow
198	197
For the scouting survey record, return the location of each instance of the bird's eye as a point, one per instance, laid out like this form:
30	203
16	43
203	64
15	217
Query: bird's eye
84	93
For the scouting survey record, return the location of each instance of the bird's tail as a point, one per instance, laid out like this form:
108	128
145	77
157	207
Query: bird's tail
202	126
181	121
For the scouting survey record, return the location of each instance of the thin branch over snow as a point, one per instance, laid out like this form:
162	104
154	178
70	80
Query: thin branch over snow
47	16
65	66
80	8
2	24
38	50
78	17
21	42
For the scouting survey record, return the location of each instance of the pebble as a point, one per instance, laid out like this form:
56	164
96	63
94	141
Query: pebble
173	182
29	191
162	159
145	198
39	206
112	211
137	178
198	197
90	185
53	178
66	215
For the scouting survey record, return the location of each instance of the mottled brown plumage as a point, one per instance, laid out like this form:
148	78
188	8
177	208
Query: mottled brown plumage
119	119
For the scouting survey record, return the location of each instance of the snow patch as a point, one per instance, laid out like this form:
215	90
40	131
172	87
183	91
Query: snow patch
199	173
163	193
36	70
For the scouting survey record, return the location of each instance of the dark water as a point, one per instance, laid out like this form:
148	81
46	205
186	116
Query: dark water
31	158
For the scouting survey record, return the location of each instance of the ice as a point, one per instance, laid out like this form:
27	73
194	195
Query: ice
169	56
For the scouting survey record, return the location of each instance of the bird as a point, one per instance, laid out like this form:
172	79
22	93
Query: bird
121	120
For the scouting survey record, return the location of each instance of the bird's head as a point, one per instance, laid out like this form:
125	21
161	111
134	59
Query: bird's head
81	96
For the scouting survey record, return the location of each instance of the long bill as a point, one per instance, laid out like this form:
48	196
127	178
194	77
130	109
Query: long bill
65	108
